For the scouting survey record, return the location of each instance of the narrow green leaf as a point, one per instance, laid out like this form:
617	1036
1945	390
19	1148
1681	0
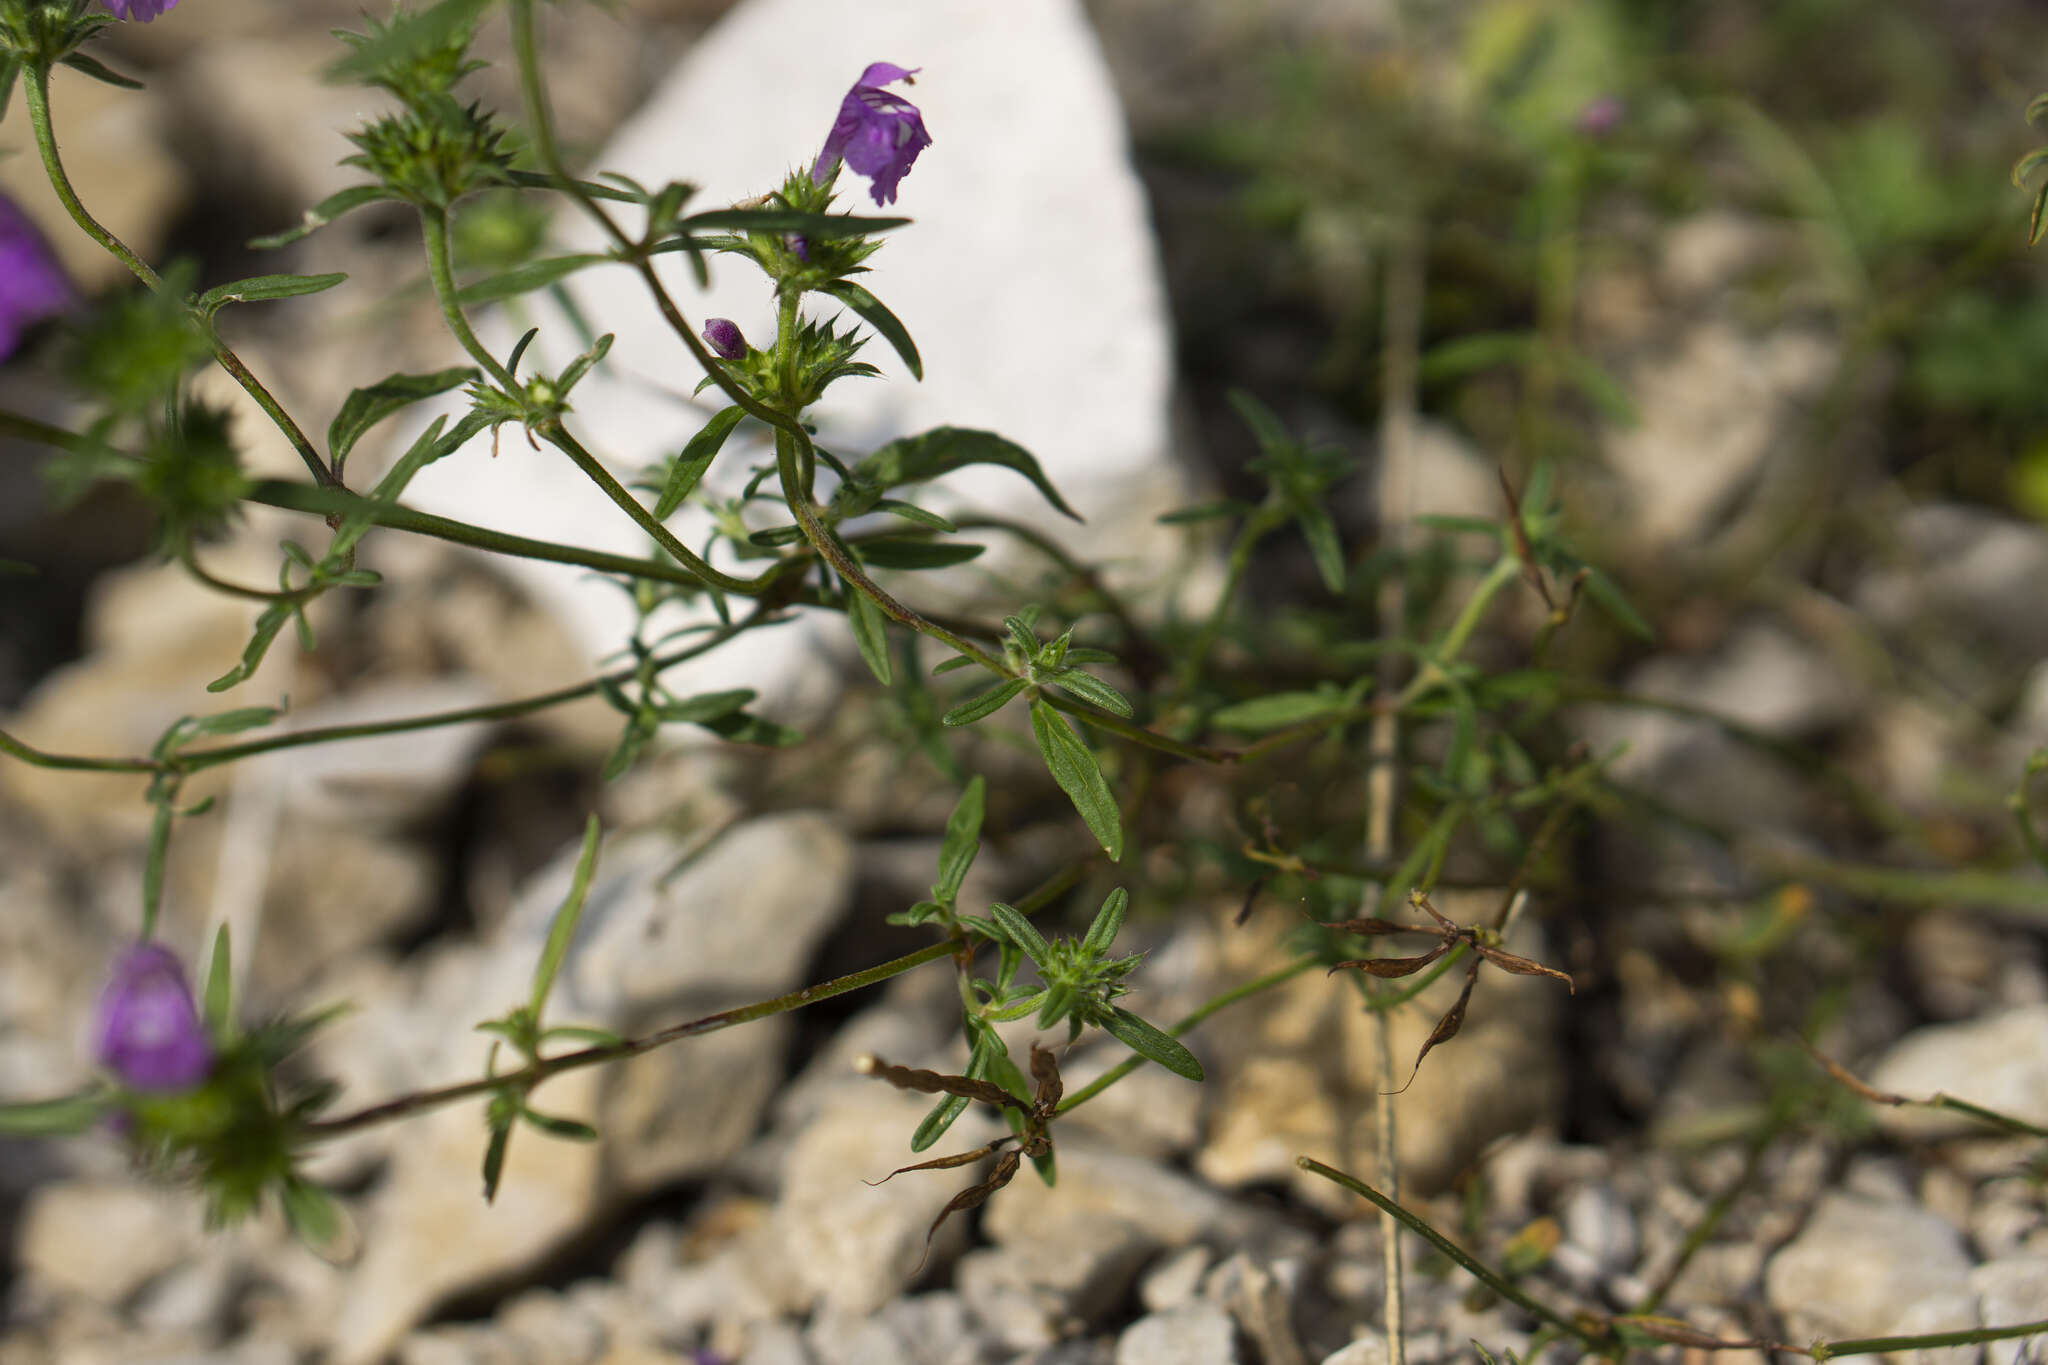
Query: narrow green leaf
1094	691
1020	931
1603	590
2037	223
931	454
524	279
367	406
1205	511
153	865
92	67
695	459
819	225
962	840
313	1216
916	552
958	661
1600	388
705	706
494	1159
1073	766
569	1130
1321	533
1276	710
740	728
870	632
2027	165
886	324
519	349
53	1118
323	213
236	721
1108	922
912	512
2037	108
580	1033
1474	354
217	992
562	928
1264	425
984	705
263	287
535	180
268	623
1151	1044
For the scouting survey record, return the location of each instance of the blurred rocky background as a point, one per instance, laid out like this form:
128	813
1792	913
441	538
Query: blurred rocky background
1748	273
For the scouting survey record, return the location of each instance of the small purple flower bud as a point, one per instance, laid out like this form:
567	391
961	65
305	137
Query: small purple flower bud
796	245
32	284
147	1029
1600	116
722	335
141	11
878	134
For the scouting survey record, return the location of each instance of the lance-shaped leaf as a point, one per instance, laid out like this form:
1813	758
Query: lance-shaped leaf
819	225
366	407
323	213
931	454
1022	932
54	1118
1152	1044
696	458
962	839
218	1005
1072	765
1093	690
562	929
917	552
1108	921
984	704
524	279
873	312
870	633
261	287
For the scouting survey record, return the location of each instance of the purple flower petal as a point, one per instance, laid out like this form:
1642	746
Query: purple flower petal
877	134
32	284
141	11
147	1029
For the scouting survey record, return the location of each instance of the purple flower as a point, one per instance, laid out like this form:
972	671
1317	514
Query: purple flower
32	284
722	335
876	133
148	1031
141	11
1600	116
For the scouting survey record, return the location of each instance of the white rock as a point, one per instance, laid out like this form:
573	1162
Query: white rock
2011	1291
1999	1061
1176	1279
1199	1334
1859	1265
1030	280
1713	411
1366	1350
104	1239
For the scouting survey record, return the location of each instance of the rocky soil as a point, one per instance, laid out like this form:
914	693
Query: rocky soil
1654	1137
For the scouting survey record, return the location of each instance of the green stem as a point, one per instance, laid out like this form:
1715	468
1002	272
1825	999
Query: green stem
35	757
1228	998
1500	1285
1256	527
1974	1336
551	430
441	274
37	91
196	760
527	1078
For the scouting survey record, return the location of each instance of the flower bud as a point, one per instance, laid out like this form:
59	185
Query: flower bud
722	335
147	1030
